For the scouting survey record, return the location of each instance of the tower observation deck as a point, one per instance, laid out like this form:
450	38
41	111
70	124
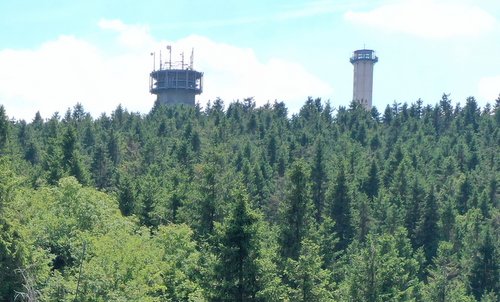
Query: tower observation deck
175	82
363	61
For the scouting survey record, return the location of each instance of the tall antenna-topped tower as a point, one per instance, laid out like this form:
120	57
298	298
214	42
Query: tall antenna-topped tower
175	82
363	61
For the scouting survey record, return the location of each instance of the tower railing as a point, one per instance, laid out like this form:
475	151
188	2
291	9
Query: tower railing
176	79
364	55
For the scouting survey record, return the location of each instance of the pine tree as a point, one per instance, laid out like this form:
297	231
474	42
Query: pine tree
101	168
445	281
239	249
295	212
4	128
309	281
485	275
207	206
340	210
382	269
10	256
427	234
319	179
371	186
68	146
126	196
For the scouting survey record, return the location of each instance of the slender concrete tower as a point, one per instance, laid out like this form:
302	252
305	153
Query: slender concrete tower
363	61
175	82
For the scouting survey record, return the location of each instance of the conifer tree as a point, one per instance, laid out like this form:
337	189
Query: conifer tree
445	278
207	207
4	128
309	281
340	210
427	234
126	196
318	179
295	212
239	249
372	184
382	269
485	275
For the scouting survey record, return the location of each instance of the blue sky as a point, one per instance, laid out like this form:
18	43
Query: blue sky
54	54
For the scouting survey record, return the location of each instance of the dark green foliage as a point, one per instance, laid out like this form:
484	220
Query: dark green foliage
340	210
250	204
319	181
295	211
4	128
427	233
485	275
127	196
239	249
9	245
371	186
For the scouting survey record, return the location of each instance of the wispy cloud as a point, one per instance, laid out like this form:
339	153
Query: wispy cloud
313	9
282	14
426	18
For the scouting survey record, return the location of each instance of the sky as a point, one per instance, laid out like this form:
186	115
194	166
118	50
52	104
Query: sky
57	53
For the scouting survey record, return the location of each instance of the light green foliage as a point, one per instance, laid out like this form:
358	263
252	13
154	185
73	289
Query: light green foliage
179	263
384	268
309	281
121	262
445	282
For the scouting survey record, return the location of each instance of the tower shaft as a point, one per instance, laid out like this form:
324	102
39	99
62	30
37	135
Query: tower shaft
363	61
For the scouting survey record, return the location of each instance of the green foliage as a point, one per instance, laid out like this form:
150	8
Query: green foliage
4	128
485	267
340	210
309	281
295	212
247	203
384	268
445	281
238	251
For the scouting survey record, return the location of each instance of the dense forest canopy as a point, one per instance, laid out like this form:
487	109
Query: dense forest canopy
246	203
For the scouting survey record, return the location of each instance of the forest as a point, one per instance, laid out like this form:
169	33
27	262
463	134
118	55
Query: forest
239	202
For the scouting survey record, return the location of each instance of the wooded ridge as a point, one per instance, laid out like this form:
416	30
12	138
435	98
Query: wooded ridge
248	203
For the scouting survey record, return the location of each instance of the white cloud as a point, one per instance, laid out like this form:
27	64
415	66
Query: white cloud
426	18
69	69
235	73
489	88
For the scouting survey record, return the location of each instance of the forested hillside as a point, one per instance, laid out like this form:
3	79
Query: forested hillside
246	203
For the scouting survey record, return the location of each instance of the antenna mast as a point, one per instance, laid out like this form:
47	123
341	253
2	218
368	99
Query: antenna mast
169	48
153	54
160	60
192	59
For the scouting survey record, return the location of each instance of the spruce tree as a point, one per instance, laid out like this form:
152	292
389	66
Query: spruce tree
340	210
309	281
238	251
485	274
445	281
4	128
427	234
371	186
295	212
318	179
